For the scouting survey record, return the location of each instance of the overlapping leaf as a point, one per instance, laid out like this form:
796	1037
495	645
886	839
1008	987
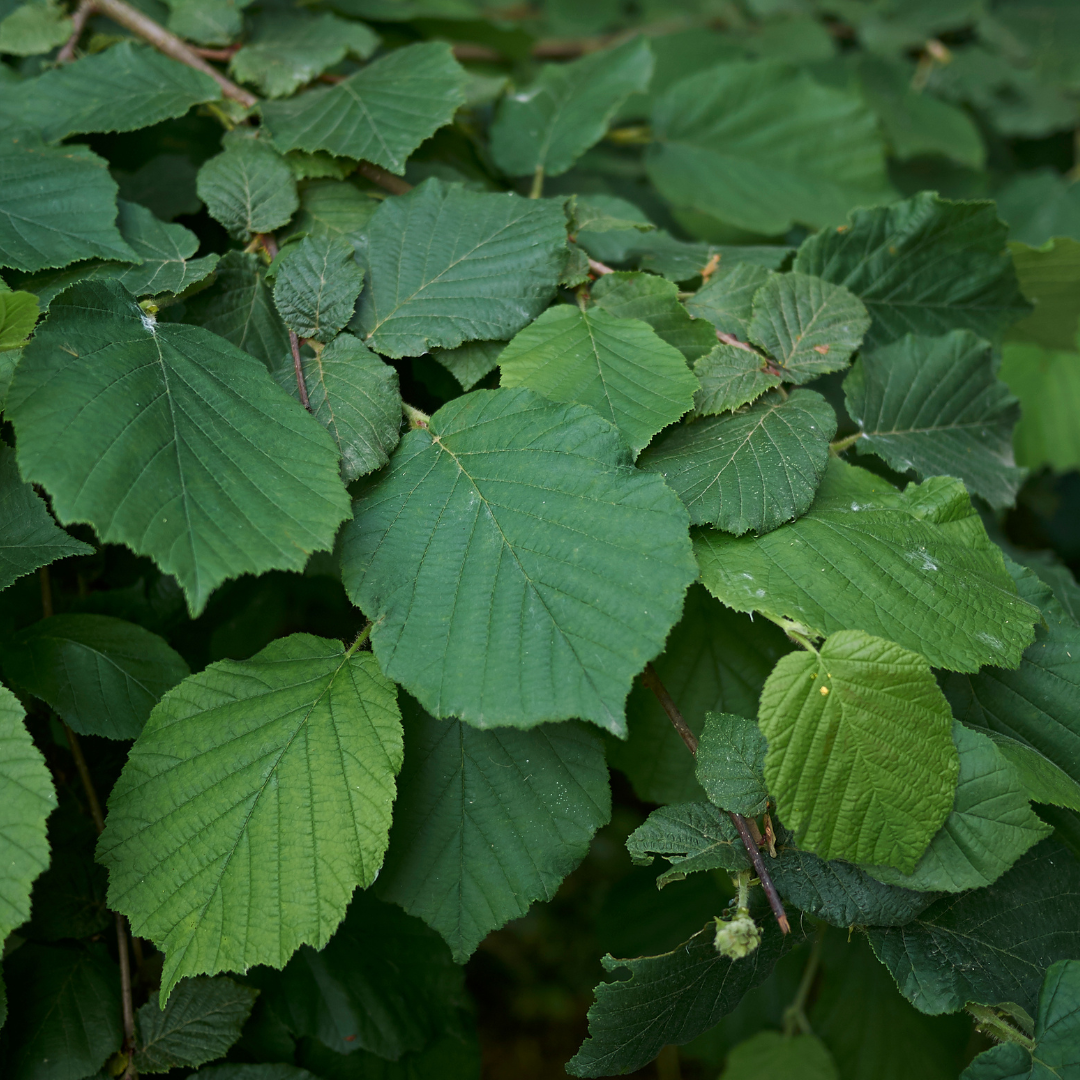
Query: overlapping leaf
763	146
923	266
34	27
316	287
861	759
18	314
730	760
1048	385
620	367
248	187
283	766
727	299
486	822
935	405
1049	276
172	441
381	114
334	208
692	836
550	124
447	265
1041	779
770	1053
731	376
102	675
513	528
915	567
470	362
753	469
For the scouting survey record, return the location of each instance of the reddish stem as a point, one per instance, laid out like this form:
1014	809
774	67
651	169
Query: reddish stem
78	23
386	180
599	268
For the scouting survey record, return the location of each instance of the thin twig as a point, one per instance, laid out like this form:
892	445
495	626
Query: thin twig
168	43
125	996
78	23
731	339
221	55
652	681
386	180
294	344
599	268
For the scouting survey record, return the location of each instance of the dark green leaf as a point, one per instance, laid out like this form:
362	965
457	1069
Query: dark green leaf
201	1021
692	837
283	767
1042	781
165	250
316	286
915	567
381	114
334	208
989	945
507	504
752	469
102	675
141	448
769	1055
447	265
936	405
922	266
557	118
34	27
730	763
470	362
727	299
206	22
730	376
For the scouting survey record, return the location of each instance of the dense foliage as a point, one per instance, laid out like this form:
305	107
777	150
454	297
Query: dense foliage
453	457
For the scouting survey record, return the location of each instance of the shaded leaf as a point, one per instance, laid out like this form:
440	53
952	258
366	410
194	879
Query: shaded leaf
936	405
102	675
558	117
730	377
334	208
447	265
470	362
620	367
241	755
141	448
769	1055
1049	277
922	266
1041	780
316	287
508	504
914	567
206	22
381	114
248	187
1048	386
486	822
692	837
730	763
752	469
727	299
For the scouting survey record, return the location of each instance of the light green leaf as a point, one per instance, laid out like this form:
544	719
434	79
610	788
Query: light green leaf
29	537
730	760
447	265
283	766
769	1055
515	528
36	27
670	998
915	567
127	86
917	123
936	405
165	250
1036	703
248	187
102	675
316	286
385	984
356	396
1048	386
1041	779
334	208
637	295
727	299
470	362
486	822
716	660
239	308
557	118
131	437
692	836
989	945
64	1022
763	146
849	791
923	266
620	367
201	1021
287	50
753	469
18	314
206	22
381	114
842	894
1050	277
28	800
57	204
988	828
808	325
730	377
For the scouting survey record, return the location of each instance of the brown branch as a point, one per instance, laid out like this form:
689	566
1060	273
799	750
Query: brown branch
599	269
652	681
386	180
731	339
294	344
223	55
78	23
168	43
